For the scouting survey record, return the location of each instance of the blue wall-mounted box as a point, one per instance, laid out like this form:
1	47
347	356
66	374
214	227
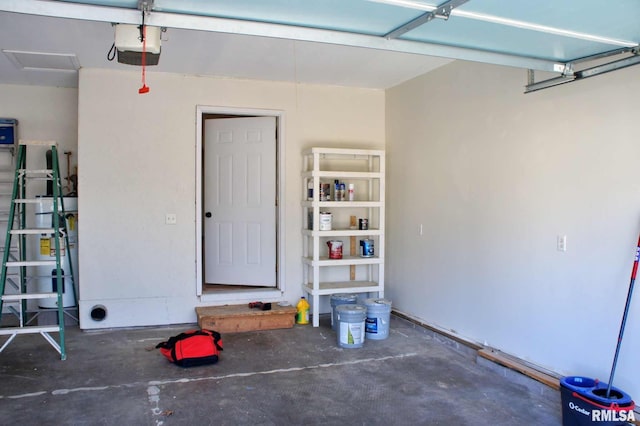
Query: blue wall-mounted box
8	130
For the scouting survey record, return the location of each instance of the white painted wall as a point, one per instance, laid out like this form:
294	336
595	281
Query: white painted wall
138	163
495	176
43	113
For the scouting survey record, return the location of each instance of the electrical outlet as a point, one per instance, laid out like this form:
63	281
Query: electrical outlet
171	219
562	243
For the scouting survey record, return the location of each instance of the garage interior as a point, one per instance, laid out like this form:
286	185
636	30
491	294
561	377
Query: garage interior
511	203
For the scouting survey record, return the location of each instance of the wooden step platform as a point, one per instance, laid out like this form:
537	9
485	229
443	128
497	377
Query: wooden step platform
241	318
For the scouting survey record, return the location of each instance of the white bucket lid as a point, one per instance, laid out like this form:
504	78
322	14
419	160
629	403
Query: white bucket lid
344	296
377	302
348	309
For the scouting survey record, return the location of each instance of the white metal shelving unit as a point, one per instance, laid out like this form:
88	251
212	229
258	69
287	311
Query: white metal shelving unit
351	274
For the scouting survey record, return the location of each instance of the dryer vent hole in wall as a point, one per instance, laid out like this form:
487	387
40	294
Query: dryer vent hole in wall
98	313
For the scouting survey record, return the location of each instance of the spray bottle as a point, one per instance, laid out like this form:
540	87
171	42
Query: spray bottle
302	313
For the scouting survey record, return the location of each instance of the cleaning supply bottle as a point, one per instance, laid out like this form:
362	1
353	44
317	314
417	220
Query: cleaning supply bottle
302	314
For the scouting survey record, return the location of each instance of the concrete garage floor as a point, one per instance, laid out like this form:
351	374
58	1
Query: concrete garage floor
281	377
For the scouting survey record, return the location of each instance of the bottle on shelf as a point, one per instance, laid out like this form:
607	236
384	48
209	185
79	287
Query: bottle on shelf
310	190
352	192
325	192
302	313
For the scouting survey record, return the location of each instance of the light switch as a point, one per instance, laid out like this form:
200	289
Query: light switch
562	243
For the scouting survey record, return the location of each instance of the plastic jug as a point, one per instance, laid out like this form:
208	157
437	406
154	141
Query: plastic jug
302	313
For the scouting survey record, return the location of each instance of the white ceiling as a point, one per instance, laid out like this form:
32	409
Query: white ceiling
205	53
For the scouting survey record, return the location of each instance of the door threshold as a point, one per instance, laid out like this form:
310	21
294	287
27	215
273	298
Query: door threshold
233	294
217	288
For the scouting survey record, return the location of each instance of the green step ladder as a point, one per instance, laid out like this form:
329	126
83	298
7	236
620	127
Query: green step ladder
17	299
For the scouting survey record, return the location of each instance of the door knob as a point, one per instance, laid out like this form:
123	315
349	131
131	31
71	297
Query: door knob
207	214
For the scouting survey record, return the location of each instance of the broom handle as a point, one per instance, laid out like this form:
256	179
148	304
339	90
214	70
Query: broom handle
624	316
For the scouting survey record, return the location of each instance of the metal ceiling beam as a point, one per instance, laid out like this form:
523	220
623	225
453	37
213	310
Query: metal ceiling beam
611	66
545	84
571	76
443	12
261	29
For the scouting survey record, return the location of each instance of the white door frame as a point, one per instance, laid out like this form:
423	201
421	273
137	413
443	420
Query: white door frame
280	190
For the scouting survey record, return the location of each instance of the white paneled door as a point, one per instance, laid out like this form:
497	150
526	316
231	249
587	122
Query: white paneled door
240	201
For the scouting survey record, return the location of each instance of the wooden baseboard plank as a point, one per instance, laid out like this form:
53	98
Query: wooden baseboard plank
500	358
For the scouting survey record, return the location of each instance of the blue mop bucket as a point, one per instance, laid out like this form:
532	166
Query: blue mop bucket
585	403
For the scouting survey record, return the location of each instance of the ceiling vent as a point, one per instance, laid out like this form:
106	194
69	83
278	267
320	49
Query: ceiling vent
43	61
129	44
